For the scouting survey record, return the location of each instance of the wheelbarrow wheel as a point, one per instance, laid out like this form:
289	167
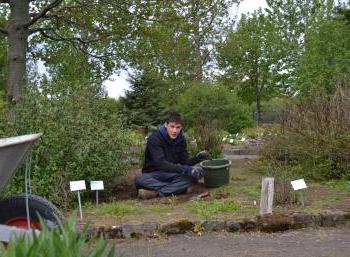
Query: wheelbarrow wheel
13	212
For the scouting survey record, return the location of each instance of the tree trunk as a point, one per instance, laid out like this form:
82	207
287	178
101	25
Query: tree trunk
197	39
17	50
258	109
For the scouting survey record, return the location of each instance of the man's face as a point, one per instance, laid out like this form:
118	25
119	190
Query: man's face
173	129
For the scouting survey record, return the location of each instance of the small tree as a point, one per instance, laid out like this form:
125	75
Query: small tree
142	103
250	58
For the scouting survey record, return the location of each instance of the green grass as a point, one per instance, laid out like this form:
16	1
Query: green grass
120	208
253	191
208	209
338	184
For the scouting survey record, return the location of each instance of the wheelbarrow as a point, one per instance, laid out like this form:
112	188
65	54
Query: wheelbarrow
21	212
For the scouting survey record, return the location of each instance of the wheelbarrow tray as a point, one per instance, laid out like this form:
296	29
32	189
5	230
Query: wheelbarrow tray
12	152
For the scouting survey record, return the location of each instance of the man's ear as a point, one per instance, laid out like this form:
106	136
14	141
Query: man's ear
166	124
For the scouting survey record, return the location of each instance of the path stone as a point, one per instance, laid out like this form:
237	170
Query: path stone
233	226
114	232
333	218
249	224
275	222
140	230
214	225
306	220
177	227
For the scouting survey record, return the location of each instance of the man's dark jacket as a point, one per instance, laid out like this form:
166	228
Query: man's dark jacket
166	154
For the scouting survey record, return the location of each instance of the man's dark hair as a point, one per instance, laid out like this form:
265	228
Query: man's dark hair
174	117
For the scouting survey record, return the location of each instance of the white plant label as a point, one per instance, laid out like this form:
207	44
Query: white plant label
77	185
298	184
96	185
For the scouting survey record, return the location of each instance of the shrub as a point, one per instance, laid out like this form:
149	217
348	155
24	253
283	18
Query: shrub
205	138
201	104
314	138
82	139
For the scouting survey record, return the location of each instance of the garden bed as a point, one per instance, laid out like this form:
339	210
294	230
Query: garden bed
237	200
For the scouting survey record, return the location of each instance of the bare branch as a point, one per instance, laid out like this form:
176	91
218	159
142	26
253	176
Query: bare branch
3	31
43	12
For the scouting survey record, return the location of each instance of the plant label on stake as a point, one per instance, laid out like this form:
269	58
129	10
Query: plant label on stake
96	185
77	186
298	185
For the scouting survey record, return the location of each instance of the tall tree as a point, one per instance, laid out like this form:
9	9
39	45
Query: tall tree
326	59
250	58
294	19
99	28
178	44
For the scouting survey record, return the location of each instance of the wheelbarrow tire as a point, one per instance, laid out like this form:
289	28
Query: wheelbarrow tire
13	211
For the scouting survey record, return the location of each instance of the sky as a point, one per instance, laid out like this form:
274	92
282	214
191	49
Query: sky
117	84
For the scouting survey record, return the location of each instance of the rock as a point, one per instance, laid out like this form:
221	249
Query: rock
249	224
332	218
139	230
306	220
275	222
177	227
233	226
114	232
214	225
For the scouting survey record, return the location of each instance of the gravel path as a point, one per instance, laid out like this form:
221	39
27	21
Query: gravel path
298	243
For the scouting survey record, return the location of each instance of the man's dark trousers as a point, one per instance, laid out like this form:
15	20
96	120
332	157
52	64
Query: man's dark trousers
166	183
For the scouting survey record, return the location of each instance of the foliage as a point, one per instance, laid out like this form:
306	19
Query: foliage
63	242
208	105
239	120
209	111
176	44
97	29
313	139
205	138
294	19
142	104
83	138
250	57
326	59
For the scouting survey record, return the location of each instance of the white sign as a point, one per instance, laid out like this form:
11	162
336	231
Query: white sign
96	185
77	185
298	184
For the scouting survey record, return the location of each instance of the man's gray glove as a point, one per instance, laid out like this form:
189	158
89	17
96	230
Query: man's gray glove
203	155
197	172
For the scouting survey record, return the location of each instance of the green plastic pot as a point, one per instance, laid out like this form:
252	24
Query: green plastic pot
216	172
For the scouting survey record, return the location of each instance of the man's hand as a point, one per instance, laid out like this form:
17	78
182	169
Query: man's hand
203	155
197	172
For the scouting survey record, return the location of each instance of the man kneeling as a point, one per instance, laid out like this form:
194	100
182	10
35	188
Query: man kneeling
167	169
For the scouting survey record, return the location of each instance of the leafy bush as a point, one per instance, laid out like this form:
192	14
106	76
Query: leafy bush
205	138
201	104
63	242
314	138
239	120
83	138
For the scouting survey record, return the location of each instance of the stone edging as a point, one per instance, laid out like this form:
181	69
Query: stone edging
266	223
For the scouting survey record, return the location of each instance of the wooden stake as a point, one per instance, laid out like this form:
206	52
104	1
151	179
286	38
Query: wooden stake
267	191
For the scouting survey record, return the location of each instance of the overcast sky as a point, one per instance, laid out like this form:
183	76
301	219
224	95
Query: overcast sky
118	84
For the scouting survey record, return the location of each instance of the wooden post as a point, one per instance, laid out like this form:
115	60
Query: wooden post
266	200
